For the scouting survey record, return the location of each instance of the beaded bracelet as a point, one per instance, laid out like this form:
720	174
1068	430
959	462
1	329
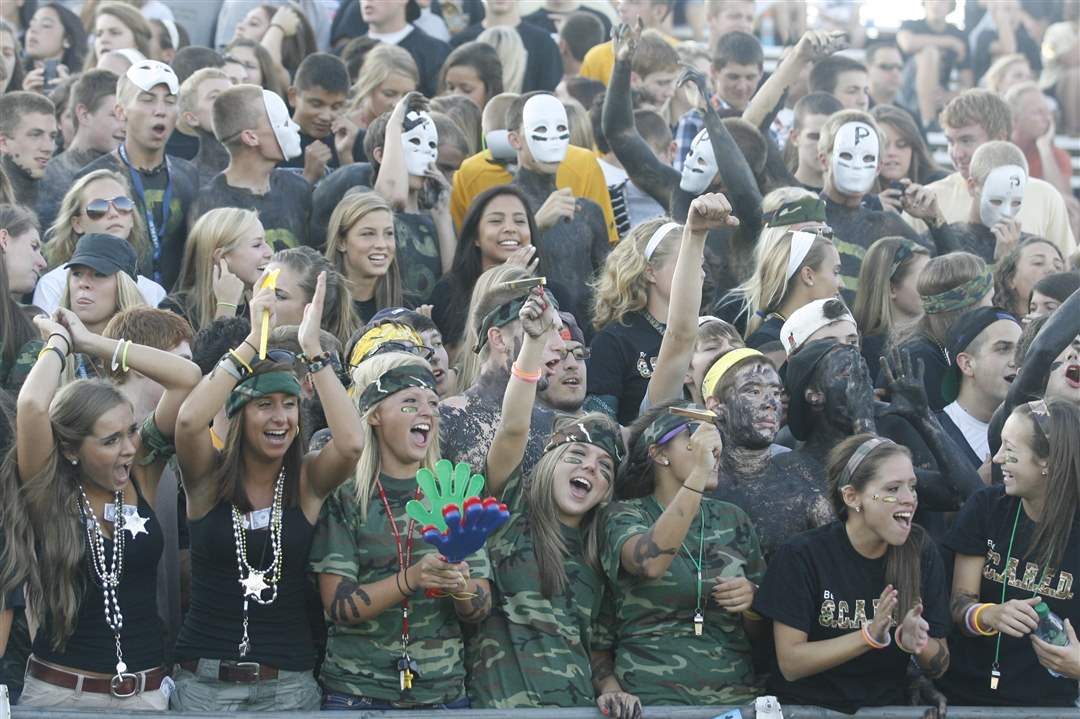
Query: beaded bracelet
873	643
316	363
530	377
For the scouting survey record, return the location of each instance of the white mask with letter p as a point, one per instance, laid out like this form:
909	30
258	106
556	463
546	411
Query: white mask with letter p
1002	194
855	158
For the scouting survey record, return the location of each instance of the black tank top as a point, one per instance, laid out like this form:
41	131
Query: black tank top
92	647
280	634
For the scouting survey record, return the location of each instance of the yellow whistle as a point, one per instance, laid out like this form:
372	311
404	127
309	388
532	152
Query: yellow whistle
271	282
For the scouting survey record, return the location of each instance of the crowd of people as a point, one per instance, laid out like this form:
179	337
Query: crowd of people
777	404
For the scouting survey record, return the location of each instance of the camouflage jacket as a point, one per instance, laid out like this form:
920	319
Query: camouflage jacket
657	655
362	659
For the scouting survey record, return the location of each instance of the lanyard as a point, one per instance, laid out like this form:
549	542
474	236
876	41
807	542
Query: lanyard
404	560
698	564
151	226
995	670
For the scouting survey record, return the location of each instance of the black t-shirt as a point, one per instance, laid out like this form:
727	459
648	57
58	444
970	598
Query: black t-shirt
983	528
284	211
623	358
934	368
182	146
543	68
817	583
767	333
977	239
330	190
949	57
185	186
430	53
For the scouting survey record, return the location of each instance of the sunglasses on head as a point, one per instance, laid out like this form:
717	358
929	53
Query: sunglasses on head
281	356
96	209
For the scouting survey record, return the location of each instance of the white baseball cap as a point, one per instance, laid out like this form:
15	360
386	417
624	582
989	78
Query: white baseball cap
811	317
147	74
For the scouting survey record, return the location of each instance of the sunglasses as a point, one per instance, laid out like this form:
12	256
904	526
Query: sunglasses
280	356
96	209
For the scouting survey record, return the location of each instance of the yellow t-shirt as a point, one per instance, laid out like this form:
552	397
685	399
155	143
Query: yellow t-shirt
579	171
600	61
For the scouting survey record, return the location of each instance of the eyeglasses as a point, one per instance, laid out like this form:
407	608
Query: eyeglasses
96	209
890	66
580	353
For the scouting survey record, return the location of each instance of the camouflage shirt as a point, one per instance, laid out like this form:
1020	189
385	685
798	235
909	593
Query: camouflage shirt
417	243
13	376
533	651
362	659
657	655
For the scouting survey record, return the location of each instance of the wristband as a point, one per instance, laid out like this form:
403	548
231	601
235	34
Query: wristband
900	644
530	377
226	304
67	342
253	347
240	360
405	576
115	364
50	348
975	622
226	363
123	355
316	363
397	581
694	490
873	643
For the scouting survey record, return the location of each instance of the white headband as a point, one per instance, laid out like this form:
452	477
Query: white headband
174	34
705	319
801	242
658	237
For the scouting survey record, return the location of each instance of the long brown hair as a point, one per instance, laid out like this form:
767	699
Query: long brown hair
1005	294
899	121
543	516
338	317
15	327
880	272
903	564
42	530
1058	447
228	477
354	207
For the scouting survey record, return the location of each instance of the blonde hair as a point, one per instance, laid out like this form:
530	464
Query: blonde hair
995	75
469	362
382	62
223	228
132	19
189	90
512	54
878	274
61	237
370	463
354	207
127	296
622	287
979	107
994	154
581	134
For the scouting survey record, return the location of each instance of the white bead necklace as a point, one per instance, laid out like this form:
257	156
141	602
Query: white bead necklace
255	582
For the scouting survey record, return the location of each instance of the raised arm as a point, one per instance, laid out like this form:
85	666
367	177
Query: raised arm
706	212
537	319
327	468
650	553
812	46
33	430
645	170
393	179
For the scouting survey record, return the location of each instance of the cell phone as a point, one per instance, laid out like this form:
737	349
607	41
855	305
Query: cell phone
50	74
525	282
701	415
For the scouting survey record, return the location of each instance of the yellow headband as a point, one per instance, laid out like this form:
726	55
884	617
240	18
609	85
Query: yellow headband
388	332
722	365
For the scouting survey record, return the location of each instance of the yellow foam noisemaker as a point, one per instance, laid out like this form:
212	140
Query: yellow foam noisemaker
271	282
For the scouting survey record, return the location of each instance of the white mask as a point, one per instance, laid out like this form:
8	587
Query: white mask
699	168
547	131
285	130
855	158
498	142
421	143
1003	186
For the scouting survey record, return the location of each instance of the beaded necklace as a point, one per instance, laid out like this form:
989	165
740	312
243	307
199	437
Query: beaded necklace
255	582
108	577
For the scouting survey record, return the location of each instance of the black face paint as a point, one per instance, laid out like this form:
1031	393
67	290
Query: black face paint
845	382
753	407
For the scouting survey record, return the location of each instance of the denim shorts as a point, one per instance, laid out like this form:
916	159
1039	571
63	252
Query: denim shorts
337	701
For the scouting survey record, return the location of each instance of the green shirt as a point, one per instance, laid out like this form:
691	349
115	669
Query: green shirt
362	659
13	376
533	651
657	656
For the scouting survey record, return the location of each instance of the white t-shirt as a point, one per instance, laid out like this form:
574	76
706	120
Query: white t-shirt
50	288
974	431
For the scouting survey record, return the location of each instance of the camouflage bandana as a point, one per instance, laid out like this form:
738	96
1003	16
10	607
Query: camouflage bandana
503	315
959	298
662	429
393	381
260	385
807	209
604	435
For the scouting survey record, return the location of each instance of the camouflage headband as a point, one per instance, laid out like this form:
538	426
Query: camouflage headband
661	430
503	315
600	434
393	381
959	298
806	209
260	385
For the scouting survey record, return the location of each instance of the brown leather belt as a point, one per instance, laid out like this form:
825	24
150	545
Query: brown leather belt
125	686
237	672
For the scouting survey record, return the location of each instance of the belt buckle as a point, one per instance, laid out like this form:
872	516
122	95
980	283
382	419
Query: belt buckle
117	683
251	668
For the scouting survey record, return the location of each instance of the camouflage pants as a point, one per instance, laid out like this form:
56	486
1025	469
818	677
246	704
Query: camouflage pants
204	692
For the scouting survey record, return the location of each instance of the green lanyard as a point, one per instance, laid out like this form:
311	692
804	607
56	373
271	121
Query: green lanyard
995	671
698	564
